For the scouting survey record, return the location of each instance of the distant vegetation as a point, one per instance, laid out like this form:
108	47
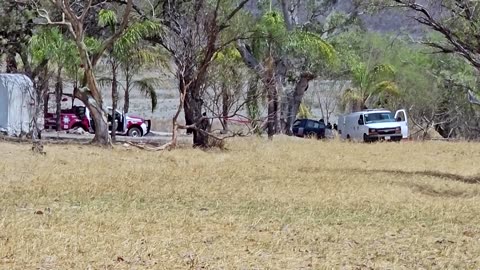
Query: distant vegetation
237	58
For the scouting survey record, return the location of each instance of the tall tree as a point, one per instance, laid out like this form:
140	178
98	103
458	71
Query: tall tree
127	56
193	31
16	28
49	44
74	18
458	24
279	55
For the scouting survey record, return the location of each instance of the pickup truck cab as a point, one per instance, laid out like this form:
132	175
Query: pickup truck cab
309	128
374	125
128	124
79	117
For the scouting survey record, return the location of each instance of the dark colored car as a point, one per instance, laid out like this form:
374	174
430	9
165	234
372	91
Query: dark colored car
309	128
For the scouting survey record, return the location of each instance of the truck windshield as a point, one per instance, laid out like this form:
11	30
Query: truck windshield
379	117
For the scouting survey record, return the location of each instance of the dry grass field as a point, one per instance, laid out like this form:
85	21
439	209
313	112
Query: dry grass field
287	204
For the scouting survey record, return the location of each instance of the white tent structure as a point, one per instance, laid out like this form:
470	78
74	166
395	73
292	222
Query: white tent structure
16	104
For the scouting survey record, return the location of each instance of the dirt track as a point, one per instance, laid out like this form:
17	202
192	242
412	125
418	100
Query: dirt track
155	138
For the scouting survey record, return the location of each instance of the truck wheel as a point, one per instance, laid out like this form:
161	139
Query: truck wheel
311	135
366	139
134	132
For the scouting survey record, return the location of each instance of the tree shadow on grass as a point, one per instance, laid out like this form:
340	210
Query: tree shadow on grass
474	179
428	189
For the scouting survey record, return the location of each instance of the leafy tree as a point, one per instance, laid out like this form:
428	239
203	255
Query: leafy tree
74	19
295	54
304	111
457	24
364	62
432	87
16	28
372	86
124	55
194	31
49	44
224	93
134	54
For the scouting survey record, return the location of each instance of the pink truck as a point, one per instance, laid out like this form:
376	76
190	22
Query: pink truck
79	117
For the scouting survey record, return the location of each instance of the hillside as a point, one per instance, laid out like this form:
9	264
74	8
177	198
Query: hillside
385	20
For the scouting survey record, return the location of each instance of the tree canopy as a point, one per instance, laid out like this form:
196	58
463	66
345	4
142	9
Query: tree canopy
258	60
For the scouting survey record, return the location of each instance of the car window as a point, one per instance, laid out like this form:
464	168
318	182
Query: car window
311	124
297	123
379	117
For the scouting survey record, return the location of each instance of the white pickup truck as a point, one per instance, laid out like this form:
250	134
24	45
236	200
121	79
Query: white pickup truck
374	125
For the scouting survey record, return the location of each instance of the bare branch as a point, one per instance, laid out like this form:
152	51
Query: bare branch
233	13
459	45
85	11
108	43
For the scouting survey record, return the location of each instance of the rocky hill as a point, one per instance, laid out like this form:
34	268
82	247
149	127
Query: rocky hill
385	20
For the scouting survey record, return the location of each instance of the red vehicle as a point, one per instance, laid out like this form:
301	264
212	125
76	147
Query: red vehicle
79	117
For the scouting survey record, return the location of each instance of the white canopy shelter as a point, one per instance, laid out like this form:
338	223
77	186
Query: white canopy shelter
16	104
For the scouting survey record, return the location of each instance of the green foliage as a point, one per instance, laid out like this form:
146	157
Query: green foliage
147	87
373	77
131	54
408	75
310	47
93	44
107	17
134	35
226	66
304	111
50	44
308	51
272	26
228	55
16	26
370	85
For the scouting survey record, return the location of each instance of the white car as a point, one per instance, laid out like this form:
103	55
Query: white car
373	125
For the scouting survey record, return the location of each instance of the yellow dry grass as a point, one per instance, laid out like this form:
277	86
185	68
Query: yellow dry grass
287	204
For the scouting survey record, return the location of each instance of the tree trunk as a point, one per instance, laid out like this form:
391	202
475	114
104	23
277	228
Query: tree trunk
44	82
193	112
114	102
286	14
272	113
58	98
11	63
100	122
252	98
193	104
270	82
46	99
225	106
40	87
279	93
93	101
295	98
126	105
128	81
276	109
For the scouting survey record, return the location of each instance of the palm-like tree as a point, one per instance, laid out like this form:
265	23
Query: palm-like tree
371	86
51	45
129	55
